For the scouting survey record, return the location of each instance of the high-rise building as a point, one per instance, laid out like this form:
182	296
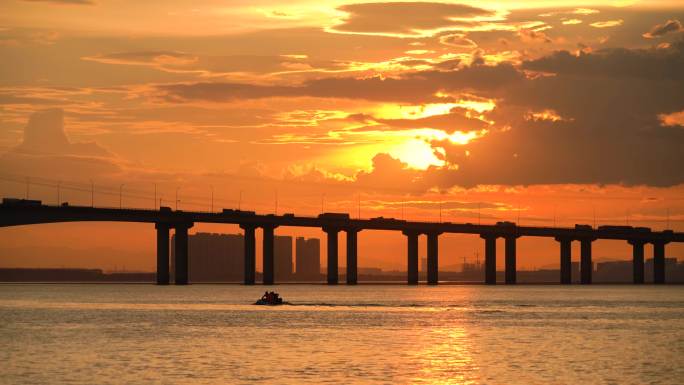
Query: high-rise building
670	269
308	252
282	255
613	271
213	257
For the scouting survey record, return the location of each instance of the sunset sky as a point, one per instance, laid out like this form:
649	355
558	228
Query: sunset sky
539	112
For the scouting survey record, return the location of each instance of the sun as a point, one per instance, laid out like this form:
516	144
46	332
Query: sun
416	153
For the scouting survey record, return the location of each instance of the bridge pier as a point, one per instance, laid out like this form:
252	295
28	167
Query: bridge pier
432	258
637	261
412	257
181	246
162	253
511	271
659	262
352	256
268	258
332	255
250	254
490	258
586	265
565	260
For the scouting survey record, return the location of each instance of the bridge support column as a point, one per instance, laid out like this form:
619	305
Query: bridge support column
181	262
352	256
268	259
586	265
432	258
565	260
412	257
162	253
332	255
250	254
637	261
490	258
511	271
659	262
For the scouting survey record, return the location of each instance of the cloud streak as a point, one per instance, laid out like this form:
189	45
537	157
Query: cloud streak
406	19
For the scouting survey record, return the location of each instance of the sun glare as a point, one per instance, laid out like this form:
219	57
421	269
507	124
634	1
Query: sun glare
398	111
416	153
457	137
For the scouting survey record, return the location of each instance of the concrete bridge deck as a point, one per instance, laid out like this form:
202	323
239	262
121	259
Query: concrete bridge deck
20	212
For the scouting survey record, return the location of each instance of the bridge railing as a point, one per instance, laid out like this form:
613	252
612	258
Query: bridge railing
312	217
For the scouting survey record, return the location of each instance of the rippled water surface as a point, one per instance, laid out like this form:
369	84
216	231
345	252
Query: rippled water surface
206	334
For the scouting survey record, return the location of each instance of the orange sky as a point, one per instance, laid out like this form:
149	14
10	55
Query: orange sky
541	112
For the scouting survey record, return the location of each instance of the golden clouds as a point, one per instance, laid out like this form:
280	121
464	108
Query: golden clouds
151	58
607	23
416	153
395	77
408	19
458	40
396	111
673	119
549	115
572	21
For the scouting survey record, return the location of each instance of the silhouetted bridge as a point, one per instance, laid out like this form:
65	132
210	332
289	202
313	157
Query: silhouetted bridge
20	212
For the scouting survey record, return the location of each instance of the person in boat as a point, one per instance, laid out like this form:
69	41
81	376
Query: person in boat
270	298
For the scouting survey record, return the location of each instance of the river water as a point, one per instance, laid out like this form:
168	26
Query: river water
210	334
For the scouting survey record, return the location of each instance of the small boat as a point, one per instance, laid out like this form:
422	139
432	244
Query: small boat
270	299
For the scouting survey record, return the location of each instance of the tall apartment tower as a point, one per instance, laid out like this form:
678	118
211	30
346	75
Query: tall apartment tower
282	255
213	257
308	252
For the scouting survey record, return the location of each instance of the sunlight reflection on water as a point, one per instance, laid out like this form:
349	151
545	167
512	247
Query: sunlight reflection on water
208	334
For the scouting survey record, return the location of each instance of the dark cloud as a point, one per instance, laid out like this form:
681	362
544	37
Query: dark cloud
663	29
390	173
174	61
609	131
46	150
448	65
617	63
609	102
612	134
452	121
44	134
417	87
405	18
217	92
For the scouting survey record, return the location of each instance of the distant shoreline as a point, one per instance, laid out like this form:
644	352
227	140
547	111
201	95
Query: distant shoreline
375	283
539	277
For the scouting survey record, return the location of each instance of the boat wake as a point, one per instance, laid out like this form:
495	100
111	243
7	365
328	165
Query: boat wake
409	305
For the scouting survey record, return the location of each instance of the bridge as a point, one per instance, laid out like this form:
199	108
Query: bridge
15	212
